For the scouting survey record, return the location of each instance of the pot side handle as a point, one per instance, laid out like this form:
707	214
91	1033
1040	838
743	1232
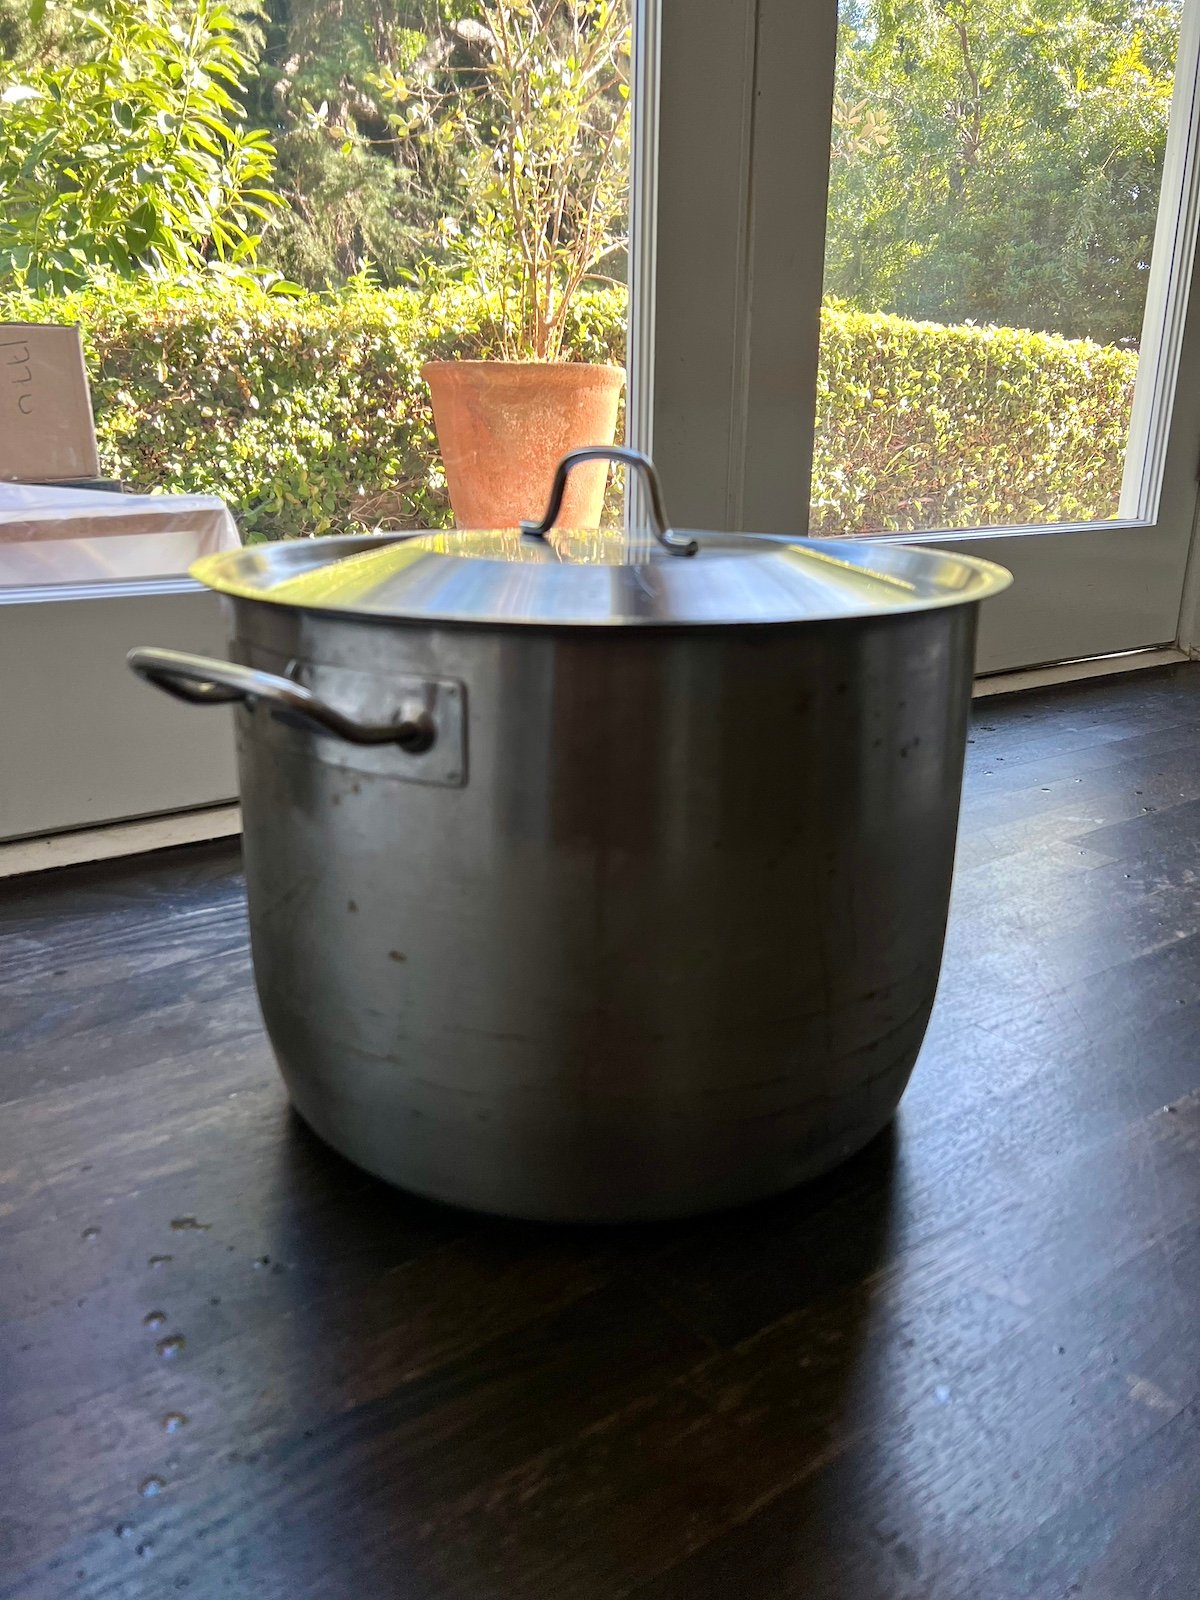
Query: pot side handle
204	681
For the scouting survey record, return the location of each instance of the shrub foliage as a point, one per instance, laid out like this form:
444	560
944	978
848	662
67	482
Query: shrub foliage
134	159
310	416
925	426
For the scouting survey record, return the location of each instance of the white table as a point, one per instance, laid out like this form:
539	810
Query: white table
51	535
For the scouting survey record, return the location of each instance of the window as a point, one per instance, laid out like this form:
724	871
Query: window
266	218
994	189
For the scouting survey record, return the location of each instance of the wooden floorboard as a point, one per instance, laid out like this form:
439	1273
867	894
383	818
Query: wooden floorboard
964	1367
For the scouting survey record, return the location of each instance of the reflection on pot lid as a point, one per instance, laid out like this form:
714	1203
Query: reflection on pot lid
587	579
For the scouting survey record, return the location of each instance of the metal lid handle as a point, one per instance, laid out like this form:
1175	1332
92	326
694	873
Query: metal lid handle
633	459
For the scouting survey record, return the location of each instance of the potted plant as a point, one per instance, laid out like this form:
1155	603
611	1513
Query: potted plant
545	127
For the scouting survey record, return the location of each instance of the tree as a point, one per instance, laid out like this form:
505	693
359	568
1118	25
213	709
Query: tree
339	83
1001	164
131	155
396	121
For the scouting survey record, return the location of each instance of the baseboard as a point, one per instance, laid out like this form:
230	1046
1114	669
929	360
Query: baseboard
1076	671
118	839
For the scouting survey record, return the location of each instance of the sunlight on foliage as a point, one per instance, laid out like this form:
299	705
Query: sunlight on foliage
925	426
309	415
1000	162
455	174
134	157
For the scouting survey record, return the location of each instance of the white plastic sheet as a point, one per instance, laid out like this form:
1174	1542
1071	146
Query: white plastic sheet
50	535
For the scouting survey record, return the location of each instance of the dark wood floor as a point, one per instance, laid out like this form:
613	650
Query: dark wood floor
967	1365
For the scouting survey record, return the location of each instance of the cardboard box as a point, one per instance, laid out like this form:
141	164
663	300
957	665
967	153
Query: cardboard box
46	427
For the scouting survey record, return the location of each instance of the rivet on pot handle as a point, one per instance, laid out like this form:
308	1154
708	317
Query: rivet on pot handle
201	680
633	459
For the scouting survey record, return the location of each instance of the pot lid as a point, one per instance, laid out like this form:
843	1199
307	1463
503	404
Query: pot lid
539	574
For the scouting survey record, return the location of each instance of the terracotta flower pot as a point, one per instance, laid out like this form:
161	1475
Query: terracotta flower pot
503	427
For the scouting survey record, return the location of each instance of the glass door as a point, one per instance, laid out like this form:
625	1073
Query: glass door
958	269
1008	251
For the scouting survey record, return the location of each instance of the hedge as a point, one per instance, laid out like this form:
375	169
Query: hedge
307	415
925	426
310	415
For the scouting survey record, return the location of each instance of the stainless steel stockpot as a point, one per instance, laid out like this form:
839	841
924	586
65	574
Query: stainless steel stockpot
595	876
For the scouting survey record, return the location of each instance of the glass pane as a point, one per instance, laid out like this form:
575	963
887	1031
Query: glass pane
264	219
994	188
